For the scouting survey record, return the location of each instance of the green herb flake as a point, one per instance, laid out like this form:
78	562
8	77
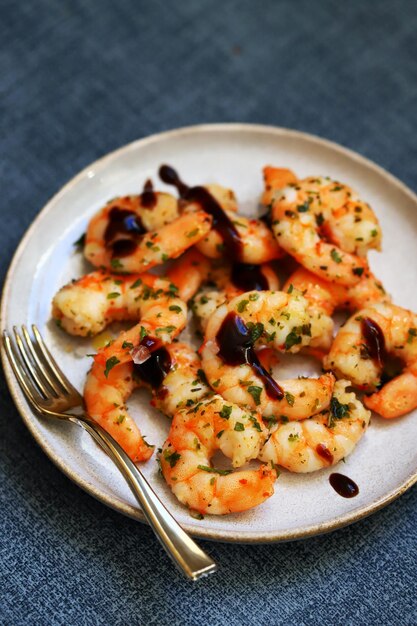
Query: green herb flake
293	437
136	284
255	392
335	256
239	427
255	330
165	329
412	332
242	306
374	232
213	470
143	333
290	288
303	208
175	308
80	243
219	434
126	345
226	412
253	297
292	339
110	363
192	233
289	398
358	271
255	424
113	295
116	264
171	457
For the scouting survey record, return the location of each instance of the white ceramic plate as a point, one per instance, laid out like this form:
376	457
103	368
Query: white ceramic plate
384	462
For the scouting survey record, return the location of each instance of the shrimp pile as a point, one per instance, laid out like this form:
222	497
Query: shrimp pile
255	289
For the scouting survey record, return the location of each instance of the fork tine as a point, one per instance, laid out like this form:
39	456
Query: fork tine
28	388
37	369
49	359
31	366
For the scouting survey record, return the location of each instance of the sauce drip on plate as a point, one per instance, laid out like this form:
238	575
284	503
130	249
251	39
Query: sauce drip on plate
343	485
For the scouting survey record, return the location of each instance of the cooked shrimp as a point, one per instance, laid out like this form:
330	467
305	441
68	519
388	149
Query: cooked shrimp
105	397
171	373
188	272
319	441
228	281
306	211
363	345
325	297
256	243
237	237
126	236
277	319
185	383
194	437
275	178
86	306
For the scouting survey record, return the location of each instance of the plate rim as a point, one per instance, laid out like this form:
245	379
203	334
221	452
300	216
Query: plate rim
114	502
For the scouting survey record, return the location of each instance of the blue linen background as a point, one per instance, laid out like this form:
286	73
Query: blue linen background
79	79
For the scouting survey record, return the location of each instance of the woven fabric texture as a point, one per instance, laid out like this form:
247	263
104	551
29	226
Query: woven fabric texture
81	78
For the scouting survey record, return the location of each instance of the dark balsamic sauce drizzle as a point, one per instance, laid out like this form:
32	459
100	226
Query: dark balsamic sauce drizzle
374	340
248	277
343	485
233	245
157	366
324	452
236	347
123	231
148	197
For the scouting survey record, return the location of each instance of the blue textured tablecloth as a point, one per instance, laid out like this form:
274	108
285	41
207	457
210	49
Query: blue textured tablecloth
78	79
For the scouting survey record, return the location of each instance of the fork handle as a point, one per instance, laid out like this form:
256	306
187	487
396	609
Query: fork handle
182	549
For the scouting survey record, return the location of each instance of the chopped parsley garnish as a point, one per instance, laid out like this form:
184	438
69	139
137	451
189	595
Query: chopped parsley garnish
239	426
110	363
113	295
293	437
127	345
292	339
175	308
335	256
171	457
253	297
213	470
255	330
303	208
358	271
165	329
337	411
255	424
255	392
80	242
374	232
242	305
193	233
412	332
290	288
289	398
225	412
116	264
143	333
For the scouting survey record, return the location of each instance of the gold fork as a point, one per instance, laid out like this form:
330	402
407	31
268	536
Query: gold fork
50	393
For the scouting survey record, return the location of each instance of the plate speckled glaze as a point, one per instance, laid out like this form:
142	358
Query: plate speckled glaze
384	462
